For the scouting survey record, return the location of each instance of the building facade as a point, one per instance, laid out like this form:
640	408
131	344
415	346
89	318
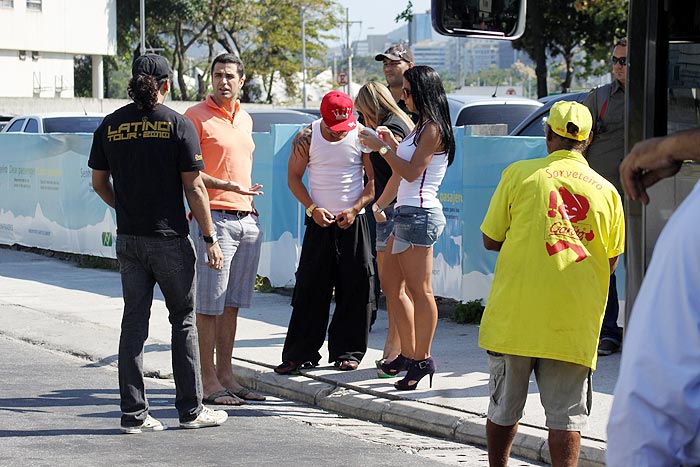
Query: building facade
41	38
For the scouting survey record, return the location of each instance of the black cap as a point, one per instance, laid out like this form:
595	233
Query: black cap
396	52
153	65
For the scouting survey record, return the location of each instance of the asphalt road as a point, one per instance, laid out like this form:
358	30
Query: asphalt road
60	410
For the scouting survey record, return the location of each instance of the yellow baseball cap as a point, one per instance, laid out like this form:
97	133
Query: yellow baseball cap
564	112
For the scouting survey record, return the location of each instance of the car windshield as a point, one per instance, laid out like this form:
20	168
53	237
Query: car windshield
490	114
83	124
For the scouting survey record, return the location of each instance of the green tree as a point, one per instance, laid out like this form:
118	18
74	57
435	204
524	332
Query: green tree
82	76
565	28
267	36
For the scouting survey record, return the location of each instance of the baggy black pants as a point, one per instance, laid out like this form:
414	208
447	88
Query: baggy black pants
332	258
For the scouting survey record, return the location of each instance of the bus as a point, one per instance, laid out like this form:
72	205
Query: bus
663	96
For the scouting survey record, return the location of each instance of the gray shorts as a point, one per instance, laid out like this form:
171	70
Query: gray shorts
232	286
565	390
384	228
416	227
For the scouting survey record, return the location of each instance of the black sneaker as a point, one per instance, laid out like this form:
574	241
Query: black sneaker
608	347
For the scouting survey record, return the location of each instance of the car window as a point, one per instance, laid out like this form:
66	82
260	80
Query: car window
262	121
491	114
83	124
17	125
32	126
535	127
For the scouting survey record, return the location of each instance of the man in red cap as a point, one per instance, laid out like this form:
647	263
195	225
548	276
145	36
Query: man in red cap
336	253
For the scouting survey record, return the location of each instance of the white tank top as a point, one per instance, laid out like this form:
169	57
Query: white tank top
422	192
335	171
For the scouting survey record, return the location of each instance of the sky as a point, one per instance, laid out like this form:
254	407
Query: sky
376	16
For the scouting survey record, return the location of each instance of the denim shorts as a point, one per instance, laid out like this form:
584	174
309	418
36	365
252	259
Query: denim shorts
416	227
384	228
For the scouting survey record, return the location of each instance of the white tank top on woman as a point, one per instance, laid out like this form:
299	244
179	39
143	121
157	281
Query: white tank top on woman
335	171
422	192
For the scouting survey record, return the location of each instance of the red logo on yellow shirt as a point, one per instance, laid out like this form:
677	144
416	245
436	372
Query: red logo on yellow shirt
566	228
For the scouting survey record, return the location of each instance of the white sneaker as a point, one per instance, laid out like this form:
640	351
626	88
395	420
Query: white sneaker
150	424
207	417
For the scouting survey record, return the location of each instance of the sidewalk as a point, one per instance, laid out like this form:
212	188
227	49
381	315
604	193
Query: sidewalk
77	310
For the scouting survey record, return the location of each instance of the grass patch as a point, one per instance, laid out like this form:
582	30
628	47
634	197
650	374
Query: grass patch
262	284
470	312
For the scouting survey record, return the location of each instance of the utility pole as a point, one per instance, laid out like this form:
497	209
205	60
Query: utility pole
303	56
349	50
142	12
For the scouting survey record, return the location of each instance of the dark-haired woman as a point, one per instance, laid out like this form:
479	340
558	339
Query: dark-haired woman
421	160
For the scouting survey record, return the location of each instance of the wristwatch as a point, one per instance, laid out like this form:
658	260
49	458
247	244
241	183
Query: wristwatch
383	150
211	238
310	210
377	209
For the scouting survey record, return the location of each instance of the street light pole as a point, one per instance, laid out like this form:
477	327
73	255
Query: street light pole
142	12
303	56
347	46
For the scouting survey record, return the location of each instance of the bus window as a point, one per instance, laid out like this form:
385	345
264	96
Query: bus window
479	18
683	87
684	21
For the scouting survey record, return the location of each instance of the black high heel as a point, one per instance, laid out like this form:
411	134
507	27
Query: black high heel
416	372
396	366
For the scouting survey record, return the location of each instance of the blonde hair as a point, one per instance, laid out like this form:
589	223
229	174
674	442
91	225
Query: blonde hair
375	102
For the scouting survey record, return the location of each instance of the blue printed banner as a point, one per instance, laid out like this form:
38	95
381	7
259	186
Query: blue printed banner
47	201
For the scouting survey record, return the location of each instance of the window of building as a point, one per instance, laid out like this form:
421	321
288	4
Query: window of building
34	5
7	3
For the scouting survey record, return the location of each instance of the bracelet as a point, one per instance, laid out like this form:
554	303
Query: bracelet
377	208
211	239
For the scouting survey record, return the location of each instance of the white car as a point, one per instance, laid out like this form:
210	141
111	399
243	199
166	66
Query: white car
55	122
486	110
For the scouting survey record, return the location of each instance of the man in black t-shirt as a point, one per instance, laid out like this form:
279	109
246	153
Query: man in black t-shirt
151	153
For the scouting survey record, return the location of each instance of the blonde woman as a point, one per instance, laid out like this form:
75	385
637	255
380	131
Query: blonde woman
378	108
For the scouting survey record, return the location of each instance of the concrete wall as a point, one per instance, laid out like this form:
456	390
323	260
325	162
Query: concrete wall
38	48
76	27
44	75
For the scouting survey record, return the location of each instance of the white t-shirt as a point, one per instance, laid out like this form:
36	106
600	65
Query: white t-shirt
655	416
335	171
422	192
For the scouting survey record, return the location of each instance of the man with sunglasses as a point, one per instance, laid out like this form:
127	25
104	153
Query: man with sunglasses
395	61
607	106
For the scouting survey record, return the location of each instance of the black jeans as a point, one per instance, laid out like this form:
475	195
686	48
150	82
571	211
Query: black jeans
169	262
610	329
340	260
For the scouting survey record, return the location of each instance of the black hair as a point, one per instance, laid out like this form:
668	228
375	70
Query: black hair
143	89
229	58
430	103
568	144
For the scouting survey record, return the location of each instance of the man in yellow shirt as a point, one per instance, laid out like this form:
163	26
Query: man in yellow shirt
559	228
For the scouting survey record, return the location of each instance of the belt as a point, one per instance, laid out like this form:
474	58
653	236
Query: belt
239	214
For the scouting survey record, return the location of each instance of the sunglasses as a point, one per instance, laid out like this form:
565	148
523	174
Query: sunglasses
621	60
406	92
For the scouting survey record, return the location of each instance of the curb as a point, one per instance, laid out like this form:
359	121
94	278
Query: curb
422	417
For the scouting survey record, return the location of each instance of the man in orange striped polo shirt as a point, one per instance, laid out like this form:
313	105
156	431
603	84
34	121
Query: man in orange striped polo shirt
225	134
